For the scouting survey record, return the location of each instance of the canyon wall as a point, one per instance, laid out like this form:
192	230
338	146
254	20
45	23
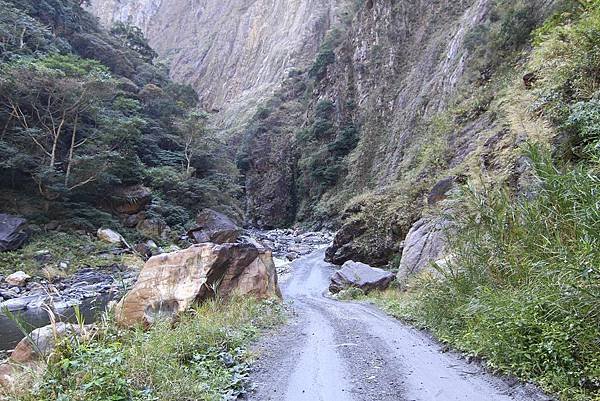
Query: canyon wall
346	113
233	52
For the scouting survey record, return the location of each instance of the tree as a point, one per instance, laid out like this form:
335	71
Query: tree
193	138
46	103
132	37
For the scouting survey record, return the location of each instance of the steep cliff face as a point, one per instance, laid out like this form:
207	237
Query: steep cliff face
364	106
234	52
412	79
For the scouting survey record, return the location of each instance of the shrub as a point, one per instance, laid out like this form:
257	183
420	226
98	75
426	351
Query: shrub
324	59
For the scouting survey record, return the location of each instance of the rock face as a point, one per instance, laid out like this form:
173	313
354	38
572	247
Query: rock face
214	227
234	52
132	199
360	275
424	244
13	232
170	283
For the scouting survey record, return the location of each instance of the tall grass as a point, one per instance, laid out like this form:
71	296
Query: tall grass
523	288
202	357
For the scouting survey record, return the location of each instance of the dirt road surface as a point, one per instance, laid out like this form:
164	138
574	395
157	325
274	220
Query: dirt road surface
349	351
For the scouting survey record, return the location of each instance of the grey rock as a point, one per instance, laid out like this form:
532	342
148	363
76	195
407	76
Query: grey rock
13	232
8	294
360	275
214	227
424	244
440	190
21	303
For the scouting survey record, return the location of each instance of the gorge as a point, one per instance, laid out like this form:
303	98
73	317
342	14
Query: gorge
436	159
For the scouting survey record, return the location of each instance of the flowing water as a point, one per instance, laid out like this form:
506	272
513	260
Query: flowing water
30	319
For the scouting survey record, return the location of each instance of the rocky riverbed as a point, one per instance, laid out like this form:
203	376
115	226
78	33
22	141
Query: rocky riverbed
290	244
63	293
33	295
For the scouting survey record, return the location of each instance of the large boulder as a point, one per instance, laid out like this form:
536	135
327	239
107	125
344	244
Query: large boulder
342	249
13	232
425	243
214	227
170	283
360	275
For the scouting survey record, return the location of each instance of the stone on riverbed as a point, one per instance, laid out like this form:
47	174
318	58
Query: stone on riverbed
360	275
18	279
170	283
110	236
27	360
41	342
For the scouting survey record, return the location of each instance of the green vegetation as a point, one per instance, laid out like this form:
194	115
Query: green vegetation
324	146
76	251
84	112
132	37
523	286
203	356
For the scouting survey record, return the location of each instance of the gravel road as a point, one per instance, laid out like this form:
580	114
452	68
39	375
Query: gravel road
349	351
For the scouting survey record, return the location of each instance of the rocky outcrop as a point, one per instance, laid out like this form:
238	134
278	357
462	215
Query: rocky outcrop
170	283
360	275
441	190
132	199
347	246
13	232
215	227
425	244
234	52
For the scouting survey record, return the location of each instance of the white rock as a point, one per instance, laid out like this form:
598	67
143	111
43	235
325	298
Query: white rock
18	279
110	236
